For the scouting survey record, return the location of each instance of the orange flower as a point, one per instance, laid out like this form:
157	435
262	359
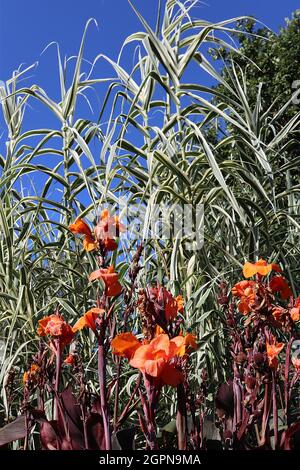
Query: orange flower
273	351
295	311
296	363
125	345
260	267
69	360
80	227
279	284
55	327
31	374
88	320
108	227
155	359
189	343
246	291
239	289
180	303
110	279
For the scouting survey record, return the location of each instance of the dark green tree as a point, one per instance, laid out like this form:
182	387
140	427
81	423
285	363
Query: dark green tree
269	61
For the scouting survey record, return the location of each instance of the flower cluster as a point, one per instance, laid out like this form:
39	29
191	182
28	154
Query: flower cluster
160	352
257	299
265	373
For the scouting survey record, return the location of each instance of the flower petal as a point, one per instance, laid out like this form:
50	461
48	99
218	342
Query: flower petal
80	227
79	325
141	355
125	344
161	343
154	367
249	269
89	243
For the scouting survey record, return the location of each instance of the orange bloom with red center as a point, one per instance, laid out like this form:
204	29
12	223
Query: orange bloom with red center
295	311
107	228
125	345
110	279
155	359
279	284
31	374
243	288
88	320
273	350
260	267
246	291
56	327
296	363
80	227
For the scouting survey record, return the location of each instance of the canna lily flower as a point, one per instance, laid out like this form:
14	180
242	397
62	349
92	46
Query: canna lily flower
56	327
80	227
296	363
260	267
240	289
189	343
31	374
279	284
108	226
110	279
273	351
88	320
246	291
125	345
155	359
295	311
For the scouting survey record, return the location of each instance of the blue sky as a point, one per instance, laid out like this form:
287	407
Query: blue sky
26	27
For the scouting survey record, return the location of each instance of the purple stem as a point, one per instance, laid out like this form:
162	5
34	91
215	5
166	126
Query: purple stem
275	411
85	431
149	410
181	418
57	377
102	385
286	376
